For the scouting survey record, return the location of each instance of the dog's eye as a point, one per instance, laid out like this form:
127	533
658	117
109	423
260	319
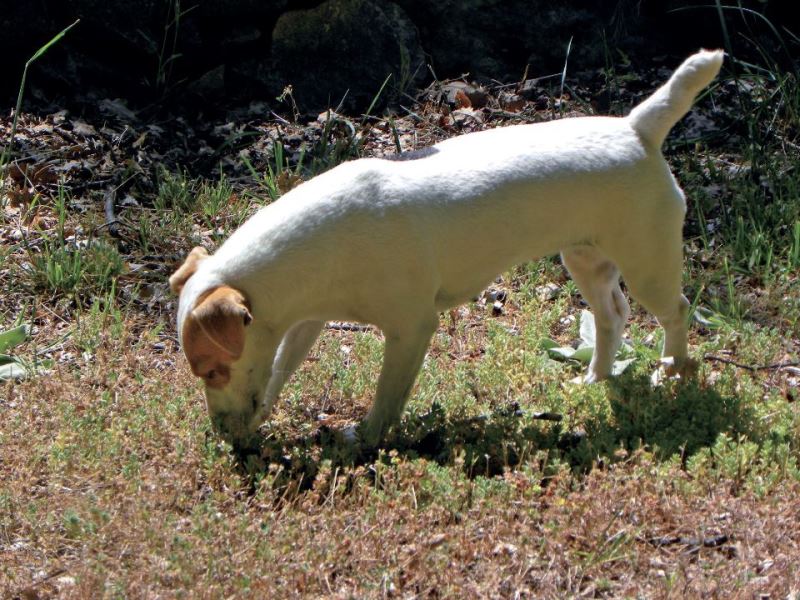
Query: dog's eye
217	377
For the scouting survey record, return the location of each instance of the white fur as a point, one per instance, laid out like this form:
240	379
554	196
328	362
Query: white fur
395	243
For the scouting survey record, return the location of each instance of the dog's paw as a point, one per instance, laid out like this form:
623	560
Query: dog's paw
670	368
588	377
686	368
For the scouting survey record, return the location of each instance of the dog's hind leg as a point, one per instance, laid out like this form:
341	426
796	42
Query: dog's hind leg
405	350
293	350
654	280
597	279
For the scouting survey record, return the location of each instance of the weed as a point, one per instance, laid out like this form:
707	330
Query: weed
338	142
212	198
103	318
7	150
794	248
168	50
62	265
177	193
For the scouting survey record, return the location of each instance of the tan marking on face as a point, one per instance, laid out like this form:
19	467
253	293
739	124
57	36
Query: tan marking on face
213	334
187	269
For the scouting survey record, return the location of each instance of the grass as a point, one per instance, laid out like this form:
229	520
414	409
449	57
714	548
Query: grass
123	488
8	148
503	480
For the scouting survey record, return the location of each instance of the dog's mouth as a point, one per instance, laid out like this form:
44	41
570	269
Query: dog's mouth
237	427
259	414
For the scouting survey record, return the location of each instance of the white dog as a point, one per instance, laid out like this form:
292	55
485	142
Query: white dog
394	243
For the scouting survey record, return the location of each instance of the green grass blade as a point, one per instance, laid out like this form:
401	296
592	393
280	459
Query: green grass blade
31	60
49	44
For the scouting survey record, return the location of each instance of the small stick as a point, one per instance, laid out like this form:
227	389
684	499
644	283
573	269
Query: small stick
348	326
751	368
109	199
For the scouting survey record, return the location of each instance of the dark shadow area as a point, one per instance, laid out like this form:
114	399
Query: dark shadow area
677	418
198	56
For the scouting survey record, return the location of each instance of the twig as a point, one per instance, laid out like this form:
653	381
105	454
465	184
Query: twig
109	199
348	326
668	540
547	416
751	368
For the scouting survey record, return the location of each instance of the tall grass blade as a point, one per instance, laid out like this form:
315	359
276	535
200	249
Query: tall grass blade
375	99
36	55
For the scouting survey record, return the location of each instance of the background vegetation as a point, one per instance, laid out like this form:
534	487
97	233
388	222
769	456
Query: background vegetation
505	479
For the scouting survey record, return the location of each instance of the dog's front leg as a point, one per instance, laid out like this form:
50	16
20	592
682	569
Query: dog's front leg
293	350
597	279
403	356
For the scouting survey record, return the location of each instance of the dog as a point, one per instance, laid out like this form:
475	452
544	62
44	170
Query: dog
394	243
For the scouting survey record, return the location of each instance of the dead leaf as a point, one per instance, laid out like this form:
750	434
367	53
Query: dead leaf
83	129
140	140
462	100
511	102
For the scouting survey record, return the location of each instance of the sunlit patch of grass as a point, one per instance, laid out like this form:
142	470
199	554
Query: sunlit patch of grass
57	262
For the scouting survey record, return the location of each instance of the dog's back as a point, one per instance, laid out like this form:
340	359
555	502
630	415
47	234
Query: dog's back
480	201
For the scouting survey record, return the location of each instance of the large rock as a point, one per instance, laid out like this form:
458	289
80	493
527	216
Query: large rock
345	49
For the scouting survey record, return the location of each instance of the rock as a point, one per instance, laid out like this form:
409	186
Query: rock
240	8
249	49
342	51
548	291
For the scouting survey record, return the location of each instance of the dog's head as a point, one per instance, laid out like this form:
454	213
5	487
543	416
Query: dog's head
213	325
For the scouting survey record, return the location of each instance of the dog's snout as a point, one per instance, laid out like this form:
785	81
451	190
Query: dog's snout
233	427
238	426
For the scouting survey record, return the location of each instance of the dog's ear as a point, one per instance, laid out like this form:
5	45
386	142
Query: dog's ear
213	334
179	278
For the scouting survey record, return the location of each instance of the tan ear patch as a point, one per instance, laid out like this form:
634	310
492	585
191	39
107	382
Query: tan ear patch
213	334
179	278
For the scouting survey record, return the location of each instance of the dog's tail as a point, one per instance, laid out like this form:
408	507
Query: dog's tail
653	118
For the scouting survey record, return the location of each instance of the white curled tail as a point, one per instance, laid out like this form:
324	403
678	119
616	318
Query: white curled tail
653	118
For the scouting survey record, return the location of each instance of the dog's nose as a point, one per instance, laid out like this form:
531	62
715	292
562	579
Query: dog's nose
235	428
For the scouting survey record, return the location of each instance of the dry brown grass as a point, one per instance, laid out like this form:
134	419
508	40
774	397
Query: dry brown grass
113	486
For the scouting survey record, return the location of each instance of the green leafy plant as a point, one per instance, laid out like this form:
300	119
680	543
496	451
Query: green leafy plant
177	192
63	266
280	176
583	353
10	366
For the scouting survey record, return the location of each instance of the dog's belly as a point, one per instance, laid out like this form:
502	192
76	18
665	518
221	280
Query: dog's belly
465	285
448	298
